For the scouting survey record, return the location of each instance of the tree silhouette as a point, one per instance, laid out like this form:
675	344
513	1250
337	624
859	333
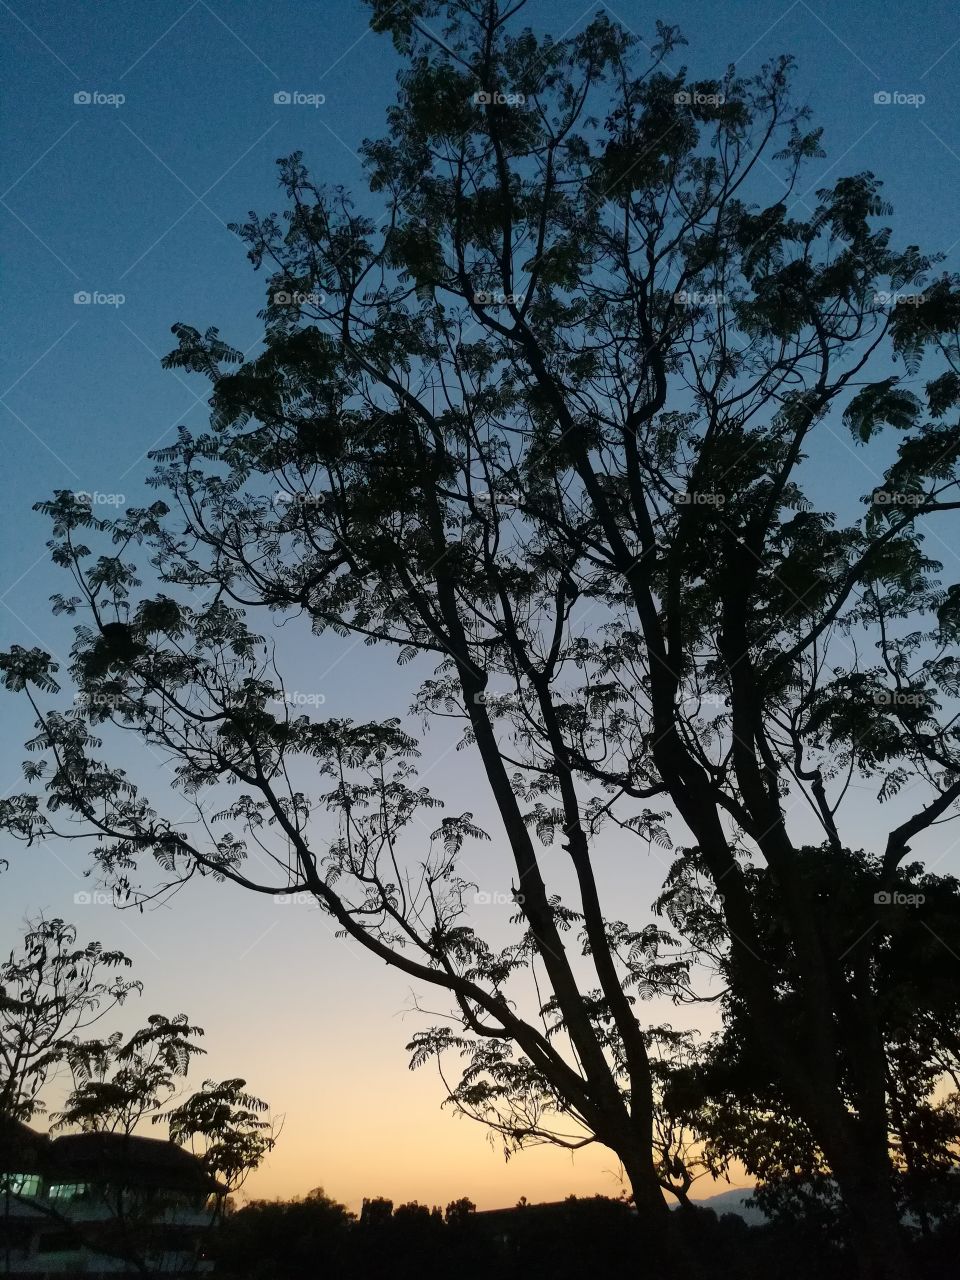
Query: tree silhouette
293	1240
902	1017
225	1126
545	426
120	1081
51	992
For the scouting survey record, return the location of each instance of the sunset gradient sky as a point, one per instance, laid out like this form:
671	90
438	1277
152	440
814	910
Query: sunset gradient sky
133	200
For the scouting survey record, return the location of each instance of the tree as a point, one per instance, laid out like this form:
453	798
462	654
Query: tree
225	1126
458	1212
545	424
292	1240
376	1212
679	1129
51	992
120	1081
891	957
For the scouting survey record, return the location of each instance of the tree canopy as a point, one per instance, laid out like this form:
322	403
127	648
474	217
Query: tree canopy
557	423
52	995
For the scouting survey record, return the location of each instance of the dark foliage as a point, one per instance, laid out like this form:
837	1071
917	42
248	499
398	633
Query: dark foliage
314	1237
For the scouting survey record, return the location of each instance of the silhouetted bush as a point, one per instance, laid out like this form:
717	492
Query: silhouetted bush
315	1238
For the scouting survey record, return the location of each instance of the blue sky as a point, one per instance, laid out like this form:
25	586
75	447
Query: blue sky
132	199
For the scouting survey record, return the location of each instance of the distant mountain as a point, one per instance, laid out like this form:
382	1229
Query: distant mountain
734	1201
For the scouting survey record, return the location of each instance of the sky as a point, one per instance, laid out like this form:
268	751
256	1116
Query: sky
133	134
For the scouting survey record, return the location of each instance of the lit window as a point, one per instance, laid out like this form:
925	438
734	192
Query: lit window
68	1191
21	1184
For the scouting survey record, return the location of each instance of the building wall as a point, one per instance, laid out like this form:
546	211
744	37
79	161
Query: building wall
37	1254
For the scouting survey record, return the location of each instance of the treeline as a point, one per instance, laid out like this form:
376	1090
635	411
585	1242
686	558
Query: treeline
303	1239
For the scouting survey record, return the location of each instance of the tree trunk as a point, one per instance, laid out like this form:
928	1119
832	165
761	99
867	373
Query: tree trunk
876	1233
668	1250
858	1151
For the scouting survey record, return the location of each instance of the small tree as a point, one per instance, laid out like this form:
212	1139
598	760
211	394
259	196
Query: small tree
226	1128
51	993
459	1212
678	1139
120	1081
293	1240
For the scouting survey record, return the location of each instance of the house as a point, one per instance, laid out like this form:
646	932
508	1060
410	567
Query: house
536	1231
101	1205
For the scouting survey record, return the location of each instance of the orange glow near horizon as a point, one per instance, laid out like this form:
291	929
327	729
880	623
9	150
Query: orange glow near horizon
318	1029
404	1147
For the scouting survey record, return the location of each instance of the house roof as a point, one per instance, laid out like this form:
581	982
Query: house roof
89	1157
22	1150
573	1207
130	1159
